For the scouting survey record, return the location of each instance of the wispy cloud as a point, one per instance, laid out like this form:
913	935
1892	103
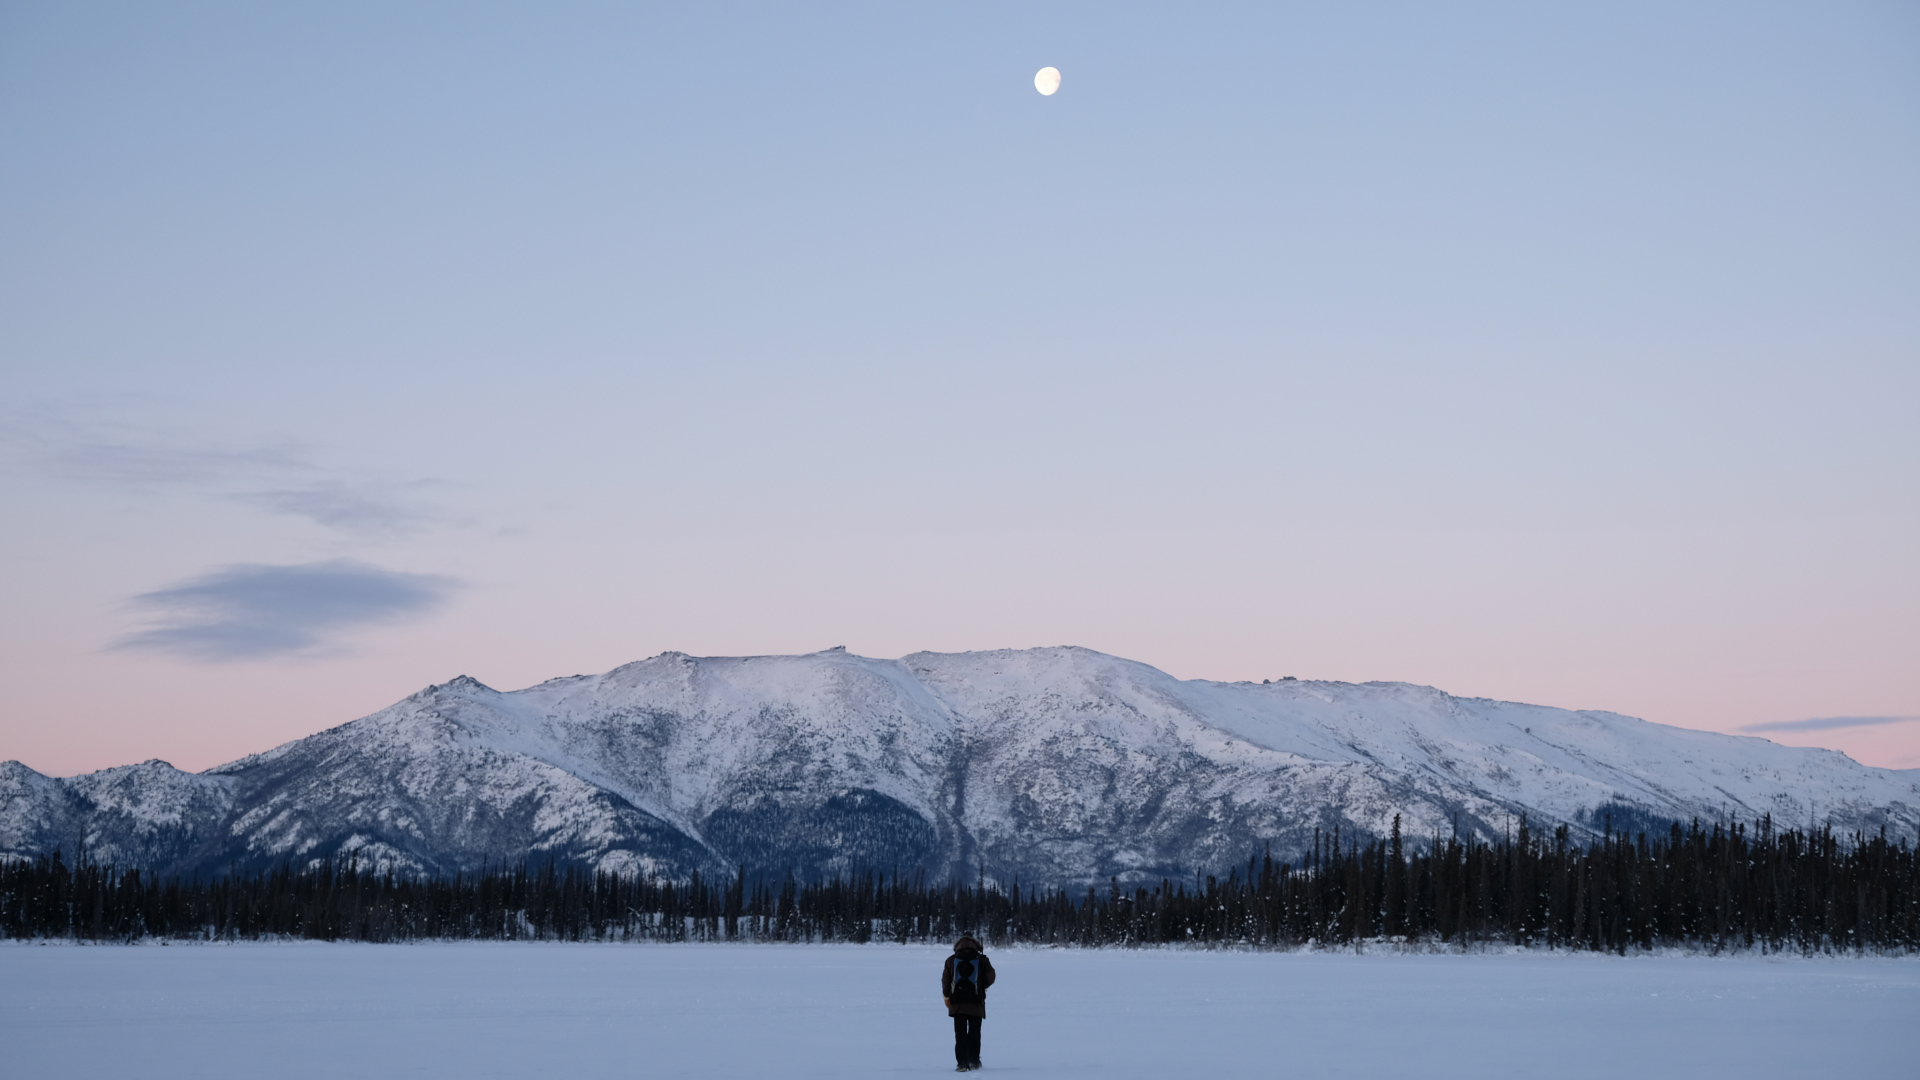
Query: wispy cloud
117	454
362	508
284	477
255	612
151	462
1828	723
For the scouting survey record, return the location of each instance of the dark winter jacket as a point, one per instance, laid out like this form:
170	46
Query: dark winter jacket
977	1007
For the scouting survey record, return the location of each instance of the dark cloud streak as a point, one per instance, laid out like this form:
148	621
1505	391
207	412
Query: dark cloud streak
1828	723
256	612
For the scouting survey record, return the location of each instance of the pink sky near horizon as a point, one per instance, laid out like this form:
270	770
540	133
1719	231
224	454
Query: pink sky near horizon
114	708
200	719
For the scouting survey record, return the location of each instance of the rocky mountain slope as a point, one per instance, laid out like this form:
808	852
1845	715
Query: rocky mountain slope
1051	765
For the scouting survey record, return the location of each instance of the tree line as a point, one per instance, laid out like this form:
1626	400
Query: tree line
1718	887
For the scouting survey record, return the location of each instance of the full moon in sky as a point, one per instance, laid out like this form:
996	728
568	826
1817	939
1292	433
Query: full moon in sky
1047	81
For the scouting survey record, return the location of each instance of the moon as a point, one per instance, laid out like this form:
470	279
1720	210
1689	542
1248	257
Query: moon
1047	81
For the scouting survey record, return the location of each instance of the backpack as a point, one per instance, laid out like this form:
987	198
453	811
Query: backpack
966	978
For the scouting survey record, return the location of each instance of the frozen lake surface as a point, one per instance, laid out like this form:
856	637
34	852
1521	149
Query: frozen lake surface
523	1010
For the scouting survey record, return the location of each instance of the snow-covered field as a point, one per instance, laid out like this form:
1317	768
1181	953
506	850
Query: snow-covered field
526	1010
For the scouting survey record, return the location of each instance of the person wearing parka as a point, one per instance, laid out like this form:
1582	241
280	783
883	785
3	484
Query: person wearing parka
963	986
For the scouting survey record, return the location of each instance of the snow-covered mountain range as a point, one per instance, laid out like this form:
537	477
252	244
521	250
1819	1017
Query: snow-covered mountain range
1054	765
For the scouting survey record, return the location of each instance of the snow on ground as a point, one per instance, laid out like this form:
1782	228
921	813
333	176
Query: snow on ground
524	1010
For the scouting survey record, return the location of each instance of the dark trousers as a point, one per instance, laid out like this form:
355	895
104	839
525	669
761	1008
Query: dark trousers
966	1040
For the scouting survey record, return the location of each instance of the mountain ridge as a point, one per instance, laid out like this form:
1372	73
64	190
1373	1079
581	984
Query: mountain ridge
1057	766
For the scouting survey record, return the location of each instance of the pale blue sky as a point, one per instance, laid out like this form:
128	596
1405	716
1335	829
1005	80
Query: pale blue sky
1568	355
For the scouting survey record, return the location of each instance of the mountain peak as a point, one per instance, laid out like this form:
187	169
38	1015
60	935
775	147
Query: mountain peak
1057	765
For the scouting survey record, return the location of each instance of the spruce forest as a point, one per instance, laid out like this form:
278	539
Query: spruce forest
1720	888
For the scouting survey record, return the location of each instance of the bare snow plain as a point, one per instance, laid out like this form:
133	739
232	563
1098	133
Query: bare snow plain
523	1010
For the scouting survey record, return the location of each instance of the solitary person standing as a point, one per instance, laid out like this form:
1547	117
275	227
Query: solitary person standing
963	985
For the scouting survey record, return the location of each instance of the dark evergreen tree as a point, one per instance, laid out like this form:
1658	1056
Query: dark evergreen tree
1721	886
